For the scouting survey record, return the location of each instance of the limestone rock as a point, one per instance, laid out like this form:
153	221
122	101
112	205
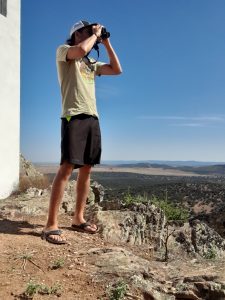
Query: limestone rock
98	191
197	237
68	202
27	168
122	263
142	224
200	288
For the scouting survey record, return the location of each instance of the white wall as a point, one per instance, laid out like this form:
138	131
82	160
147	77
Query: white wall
9	98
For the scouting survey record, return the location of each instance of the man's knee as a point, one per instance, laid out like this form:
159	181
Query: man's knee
66	170
85	170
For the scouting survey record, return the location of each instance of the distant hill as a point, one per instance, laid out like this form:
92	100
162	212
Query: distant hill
161	162
206	170
203	170
144	165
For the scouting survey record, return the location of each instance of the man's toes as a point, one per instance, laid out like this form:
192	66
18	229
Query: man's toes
57	237
93	227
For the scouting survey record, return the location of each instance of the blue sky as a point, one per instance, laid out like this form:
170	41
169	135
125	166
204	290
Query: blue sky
169	102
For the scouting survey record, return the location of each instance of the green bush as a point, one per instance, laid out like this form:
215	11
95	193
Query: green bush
32	288
210	254
172	212
128	198
36	288
118	291
57	264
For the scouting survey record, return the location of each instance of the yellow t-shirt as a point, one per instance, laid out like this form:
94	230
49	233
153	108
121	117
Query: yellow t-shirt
77	84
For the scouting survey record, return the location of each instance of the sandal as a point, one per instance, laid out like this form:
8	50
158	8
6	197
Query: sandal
45	235
83	227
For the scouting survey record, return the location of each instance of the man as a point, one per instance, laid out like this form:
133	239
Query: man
80	131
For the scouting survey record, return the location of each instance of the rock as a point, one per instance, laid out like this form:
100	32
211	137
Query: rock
200	288
142	224
71	267
34	192
151	289
189	295
31	178
27	168
68	202
138	272
198	238
118	261
35	201
98	191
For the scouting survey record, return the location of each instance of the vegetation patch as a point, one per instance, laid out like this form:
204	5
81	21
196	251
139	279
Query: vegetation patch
117	291
25	182
171	211
57	264
36	288
210	254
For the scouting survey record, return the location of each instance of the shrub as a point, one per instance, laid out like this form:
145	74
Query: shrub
57	264
40	182
172	212
36	288
32	289
117	291
210	254
129	198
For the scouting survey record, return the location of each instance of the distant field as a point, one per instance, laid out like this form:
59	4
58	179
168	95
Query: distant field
46	169
150	181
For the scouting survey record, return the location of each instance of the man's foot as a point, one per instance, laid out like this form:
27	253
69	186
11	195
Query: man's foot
53	236
85	227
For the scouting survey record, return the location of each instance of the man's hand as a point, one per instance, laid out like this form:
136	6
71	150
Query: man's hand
105	42
97	30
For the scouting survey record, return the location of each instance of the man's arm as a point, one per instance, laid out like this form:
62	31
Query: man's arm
114	67
85	46
81	49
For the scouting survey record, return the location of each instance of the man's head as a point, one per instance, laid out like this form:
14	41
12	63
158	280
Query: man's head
80	31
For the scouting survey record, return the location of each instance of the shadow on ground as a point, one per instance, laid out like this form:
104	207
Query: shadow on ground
18	227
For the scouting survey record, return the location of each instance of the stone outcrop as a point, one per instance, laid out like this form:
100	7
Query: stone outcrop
133	224
151	277
98	191
205	287
30	177
141	224
145	224
96	194
198	238
138	224
27	168
140	273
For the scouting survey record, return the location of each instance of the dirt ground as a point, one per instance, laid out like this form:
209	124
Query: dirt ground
64	270
26	258
20	239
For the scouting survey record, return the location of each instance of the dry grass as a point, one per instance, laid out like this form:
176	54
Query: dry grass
40	182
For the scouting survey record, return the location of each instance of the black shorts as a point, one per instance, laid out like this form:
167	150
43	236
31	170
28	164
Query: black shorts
81	140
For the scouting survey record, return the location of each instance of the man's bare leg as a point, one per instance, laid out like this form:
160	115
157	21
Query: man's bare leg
82	189
58	188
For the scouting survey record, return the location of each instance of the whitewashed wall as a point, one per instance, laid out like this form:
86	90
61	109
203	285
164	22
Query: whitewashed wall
9	98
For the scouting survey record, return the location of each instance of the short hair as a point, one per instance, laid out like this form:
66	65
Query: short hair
71	40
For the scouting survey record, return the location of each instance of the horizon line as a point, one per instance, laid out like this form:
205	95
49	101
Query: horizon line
138	160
